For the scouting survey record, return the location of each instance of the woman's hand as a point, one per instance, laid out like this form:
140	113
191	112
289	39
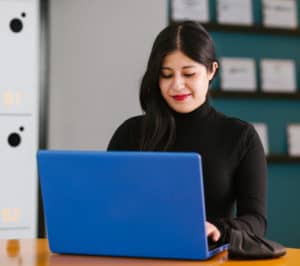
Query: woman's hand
212	232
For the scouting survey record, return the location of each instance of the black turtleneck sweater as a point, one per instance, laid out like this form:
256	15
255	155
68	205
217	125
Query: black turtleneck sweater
234	165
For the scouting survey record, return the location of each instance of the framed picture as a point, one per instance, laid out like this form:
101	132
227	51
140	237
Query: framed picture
262	131
190	10
280	13
293	134
278	75
238	74
235	12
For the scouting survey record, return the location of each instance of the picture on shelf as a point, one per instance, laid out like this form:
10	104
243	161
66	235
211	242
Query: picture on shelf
278	75
293	134
262	131
235	12
280	14
190	10
238	74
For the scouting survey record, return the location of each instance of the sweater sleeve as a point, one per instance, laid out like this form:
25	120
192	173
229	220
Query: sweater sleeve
250	181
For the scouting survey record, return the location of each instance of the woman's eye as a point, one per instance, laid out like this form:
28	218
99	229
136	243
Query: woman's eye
166	76
189	74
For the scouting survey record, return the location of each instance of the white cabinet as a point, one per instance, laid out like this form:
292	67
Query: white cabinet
19	118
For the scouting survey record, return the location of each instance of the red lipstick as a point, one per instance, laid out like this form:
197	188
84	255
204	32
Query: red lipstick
181	97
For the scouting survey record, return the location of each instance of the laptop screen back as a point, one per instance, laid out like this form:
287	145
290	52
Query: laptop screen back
141	204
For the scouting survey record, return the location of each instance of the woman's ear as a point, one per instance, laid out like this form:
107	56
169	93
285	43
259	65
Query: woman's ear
213	70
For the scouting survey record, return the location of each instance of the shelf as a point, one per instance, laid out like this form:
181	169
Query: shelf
256	29
218	93
279	158
252	29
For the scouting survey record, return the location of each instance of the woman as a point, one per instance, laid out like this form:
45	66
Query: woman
178	117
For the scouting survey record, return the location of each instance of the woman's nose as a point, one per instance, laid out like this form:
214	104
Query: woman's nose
178	84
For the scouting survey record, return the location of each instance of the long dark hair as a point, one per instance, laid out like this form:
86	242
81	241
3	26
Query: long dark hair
158	129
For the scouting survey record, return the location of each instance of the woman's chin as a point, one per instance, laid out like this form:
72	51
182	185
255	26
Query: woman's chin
183	109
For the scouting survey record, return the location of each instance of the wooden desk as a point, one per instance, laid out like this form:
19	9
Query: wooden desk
35	252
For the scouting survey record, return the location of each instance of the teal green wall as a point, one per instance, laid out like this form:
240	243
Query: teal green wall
283	178
283	204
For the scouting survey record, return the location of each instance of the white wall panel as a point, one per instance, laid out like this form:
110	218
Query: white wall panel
98	53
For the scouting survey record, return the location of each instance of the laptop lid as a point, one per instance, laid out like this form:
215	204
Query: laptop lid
141	204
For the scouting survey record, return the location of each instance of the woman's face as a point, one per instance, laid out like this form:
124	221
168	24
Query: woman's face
184	82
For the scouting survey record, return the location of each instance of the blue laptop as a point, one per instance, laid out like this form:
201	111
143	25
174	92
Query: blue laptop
133	204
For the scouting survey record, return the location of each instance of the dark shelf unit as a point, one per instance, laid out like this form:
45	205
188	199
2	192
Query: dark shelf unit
252	29
282	158
256	29
218	93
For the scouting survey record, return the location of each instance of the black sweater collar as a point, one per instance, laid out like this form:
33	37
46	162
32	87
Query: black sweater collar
201	112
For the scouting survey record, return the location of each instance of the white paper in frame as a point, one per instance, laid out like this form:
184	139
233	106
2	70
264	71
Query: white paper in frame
238	74
235	12
262	131
293	135
190	10
278	75
280	13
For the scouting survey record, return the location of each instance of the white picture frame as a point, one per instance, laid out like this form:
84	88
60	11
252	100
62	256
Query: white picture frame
197	10
278	75
238	74
280	14
239	12
262	131
293	135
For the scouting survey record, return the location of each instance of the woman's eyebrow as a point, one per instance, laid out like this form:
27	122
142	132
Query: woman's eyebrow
188	67
169	68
